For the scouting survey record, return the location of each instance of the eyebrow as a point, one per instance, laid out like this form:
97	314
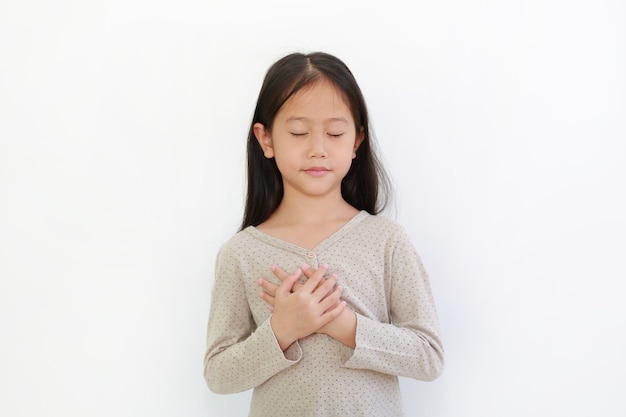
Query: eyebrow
331	119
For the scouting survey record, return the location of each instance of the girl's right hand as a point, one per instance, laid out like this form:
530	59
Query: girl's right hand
300	312
269	288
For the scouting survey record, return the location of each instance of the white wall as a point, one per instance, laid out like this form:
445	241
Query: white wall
122	128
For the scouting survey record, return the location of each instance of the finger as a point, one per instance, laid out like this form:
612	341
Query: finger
267	298
268	287
279	272
268	292
326	287
307	270
333	306
315	277
333	313
286	286
331	300
311	273
282	276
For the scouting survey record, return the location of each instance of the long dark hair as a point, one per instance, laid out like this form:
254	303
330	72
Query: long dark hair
366	186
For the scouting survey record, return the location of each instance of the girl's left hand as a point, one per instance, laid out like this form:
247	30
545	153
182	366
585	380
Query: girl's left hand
343	328
269	289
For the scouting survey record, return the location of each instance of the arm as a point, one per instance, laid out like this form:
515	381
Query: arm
298	313
239	355
410	345
341	324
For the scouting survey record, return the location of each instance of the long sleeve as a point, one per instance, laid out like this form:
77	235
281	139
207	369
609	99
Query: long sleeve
239	355
383	282
409	345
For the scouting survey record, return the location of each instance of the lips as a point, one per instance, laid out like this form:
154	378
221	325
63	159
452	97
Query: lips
317	171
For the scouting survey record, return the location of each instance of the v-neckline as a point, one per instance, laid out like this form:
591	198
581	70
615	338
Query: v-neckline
320	247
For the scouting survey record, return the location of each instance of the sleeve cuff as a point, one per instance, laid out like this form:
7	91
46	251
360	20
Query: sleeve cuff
291	355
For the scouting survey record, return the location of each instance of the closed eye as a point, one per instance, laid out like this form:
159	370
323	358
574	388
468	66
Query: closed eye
298	135
336	135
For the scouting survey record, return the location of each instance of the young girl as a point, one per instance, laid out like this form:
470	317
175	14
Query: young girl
319	304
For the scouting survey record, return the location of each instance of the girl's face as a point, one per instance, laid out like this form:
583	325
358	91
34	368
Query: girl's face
313	141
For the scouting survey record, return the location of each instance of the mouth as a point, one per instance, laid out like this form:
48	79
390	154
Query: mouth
317	171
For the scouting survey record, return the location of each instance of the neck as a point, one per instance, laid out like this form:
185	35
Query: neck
312	210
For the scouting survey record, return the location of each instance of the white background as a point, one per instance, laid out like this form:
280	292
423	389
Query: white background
122	136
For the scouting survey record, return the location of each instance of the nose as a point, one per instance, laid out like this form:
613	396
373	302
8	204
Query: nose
317	146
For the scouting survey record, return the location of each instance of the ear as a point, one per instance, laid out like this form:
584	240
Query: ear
357	141
265	139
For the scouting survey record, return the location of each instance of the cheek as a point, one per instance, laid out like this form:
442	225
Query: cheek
285	159
346	150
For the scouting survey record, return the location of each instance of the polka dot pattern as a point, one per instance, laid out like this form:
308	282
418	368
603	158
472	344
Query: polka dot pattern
384	283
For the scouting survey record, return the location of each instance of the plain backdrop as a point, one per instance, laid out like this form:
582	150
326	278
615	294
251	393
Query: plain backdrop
122	137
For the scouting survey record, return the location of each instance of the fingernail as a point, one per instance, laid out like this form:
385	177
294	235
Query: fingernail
305	267
325	266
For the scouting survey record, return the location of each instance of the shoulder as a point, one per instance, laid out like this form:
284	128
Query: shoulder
237	244
395	240
383	225
380	231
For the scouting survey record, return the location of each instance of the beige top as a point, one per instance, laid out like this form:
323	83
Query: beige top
384	284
